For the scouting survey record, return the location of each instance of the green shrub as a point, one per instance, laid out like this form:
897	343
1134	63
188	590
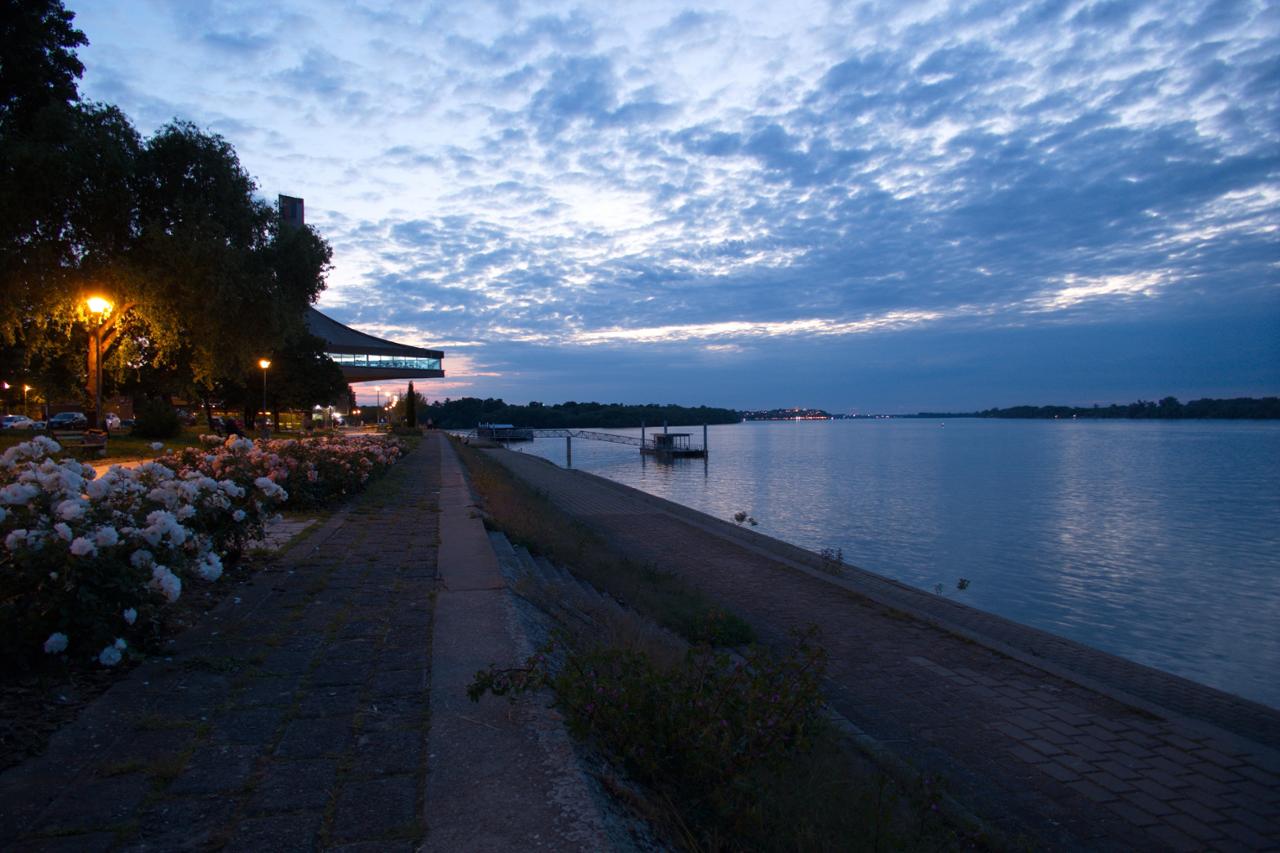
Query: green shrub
157	420
698	733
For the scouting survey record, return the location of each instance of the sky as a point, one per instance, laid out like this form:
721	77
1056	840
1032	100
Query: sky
864	207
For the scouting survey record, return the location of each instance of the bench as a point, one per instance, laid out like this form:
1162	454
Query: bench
86	439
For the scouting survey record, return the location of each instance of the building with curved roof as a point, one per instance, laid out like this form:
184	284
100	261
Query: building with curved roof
362	357
365	358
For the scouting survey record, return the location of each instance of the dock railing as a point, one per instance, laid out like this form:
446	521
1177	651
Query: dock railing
648	444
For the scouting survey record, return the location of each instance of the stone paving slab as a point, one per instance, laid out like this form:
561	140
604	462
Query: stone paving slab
1066	759
294	717
503	776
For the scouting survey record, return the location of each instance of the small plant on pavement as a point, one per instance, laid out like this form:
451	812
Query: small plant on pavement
832	561
961	585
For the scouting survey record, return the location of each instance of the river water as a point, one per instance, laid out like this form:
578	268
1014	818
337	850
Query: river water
1155	540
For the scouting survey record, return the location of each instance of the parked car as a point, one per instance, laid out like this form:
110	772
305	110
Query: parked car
16	422
40	425
69	420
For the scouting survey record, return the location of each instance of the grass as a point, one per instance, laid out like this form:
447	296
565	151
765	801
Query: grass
530	519
828	796
825	795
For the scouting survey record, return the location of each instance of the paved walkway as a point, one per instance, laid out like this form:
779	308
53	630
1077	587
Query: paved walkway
503	777
296	716
1044	738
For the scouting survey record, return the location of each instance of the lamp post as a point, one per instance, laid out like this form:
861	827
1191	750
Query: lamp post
264	363
25	389
378	415
102	309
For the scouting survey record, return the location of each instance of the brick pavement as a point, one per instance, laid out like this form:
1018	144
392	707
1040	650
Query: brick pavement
294	717
1048	740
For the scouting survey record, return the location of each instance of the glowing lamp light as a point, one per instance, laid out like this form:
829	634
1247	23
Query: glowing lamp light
264	363
98	305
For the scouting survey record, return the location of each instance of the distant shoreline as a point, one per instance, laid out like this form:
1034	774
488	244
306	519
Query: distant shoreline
1169	408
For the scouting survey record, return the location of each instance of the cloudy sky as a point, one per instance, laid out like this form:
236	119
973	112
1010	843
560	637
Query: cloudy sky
886	206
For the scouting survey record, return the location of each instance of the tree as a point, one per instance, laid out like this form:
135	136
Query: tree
302	377
411	401
66	215
222	286
204	279
38	63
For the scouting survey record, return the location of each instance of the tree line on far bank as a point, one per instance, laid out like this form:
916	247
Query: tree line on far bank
1169	408
469	411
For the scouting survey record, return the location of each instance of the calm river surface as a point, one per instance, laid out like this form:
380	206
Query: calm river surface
1155	540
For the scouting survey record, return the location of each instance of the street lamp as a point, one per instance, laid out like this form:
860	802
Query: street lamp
102	309
264	363
25	389
378	415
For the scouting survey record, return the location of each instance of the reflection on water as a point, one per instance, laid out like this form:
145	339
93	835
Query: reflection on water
1158	541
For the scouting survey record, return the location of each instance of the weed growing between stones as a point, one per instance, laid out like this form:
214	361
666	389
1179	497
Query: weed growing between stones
961	585
732	753
699	732
649	702
832	561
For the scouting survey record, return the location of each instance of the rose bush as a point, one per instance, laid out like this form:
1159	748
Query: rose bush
88	561
314	471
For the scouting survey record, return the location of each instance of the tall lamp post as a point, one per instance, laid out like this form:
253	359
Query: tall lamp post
25	389
101	308
264	363
378	415
101	337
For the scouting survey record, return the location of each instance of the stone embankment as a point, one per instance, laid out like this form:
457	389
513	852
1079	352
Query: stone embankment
1041	737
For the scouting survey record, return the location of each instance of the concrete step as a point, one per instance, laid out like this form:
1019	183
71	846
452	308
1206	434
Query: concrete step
508	562
527	566
554	573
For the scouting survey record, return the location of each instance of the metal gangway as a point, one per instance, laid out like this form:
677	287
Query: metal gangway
662	445
634	441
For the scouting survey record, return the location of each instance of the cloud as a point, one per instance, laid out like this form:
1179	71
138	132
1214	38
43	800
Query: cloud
635	179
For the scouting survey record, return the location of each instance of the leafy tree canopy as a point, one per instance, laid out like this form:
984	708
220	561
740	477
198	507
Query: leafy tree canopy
303	377
38	63
169	229
204	278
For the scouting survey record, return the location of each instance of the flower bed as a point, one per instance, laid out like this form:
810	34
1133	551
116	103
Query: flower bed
88	562
315	471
